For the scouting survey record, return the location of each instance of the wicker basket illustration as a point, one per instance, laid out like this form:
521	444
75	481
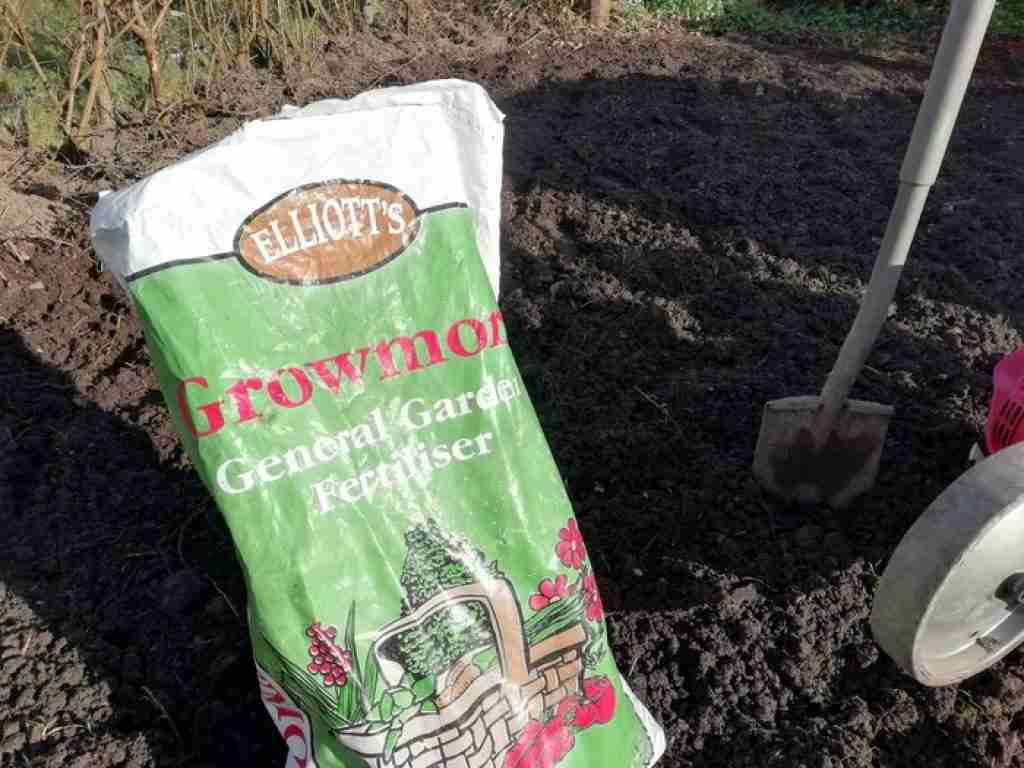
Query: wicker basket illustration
480	714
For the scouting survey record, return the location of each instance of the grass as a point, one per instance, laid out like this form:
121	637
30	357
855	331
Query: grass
1008	19
843	26
829	23
802	22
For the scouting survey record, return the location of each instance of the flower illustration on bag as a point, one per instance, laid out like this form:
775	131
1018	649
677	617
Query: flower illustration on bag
572	553
330	661
545	744
571	550
549	591
592	599
541	745
441	655
597	706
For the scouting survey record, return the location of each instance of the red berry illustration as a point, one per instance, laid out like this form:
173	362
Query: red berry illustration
331	661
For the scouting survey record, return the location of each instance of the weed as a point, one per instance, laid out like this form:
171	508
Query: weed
840	25
1008	19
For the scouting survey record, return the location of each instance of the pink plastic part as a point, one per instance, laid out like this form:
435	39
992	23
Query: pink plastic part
1005	424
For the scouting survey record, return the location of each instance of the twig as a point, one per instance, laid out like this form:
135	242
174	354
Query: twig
632	666
96	71
647	546
15	251
663	408
226	598
167	716
12	166
18	26
148	35
529	40
398	69
181	534
75	74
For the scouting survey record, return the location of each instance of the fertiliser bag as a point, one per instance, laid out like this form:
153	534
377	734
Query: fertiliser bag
318	293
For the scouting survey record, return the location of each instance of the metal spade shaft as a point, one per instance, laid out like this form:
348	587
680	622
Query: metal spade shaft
951	73
827	448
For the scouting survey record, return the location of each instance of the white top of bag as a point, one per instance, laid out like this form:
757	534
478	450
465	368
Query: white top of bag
439	142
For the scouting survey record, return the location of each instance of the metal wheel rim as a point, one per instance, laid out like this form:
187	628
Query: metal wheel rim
944	608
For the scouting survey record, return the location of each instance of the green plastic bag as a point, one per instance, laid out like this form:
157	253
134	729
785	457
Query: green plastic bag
318	293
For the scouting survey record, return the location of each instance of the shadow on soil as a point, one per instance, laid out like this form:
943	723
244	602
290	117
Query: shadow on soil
680	251
122	557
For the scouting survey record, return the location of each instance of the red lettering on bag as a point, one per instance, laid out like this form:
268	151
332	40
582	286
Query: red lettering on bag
395	357
212	411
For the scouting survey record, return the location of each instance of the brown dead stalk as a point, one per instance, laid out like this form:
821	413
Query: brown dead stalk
11	15
138	18
98	90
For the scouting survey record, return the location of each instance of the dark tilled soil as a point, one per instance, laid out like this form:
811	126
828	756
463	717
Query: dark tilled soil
687	225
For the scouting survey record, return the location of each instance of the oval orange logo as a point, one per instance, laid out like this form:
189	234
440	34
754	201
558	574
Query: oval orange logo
326	232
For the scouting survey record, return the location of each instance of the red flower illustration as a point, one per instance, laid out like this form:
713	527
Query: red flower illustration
592	599
570	549
331	661
601	695
517	756
577	712
595	707
541	745
549	592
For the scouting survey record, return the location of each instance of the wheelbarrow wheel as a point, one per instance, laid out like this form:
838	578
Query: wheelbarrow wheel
951	600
